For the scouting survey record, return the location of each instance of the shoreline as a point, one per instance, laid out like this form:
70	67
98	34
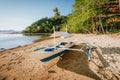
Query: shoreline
37	40
47	36
72	64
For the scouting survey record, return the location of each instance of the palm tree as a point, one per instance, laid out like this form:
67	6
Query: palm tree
56	13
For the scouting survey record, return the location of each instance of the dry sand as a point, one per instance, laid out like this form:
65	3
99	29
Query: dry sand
22	64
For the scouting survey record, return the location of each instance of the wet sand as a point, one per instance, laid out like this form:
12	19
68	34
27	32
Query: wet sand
22	63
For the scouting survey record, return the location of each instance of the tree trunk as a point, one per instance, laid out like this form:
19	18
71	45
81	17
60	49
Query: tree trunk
101	26
119	5
93	26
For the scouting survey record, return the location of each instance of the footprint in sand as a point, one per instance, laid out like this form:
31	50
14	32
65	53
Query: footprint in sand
51	71
0	67
4	78
4	56
9	68
11	59
14	78
3	64
19	62
13	53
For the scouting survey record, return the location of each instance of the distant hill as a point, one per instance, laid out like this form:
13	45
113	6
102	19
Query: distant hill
9	31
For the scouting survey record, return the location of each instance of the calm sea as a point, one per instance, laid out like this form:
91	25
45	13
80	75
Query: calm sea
8	41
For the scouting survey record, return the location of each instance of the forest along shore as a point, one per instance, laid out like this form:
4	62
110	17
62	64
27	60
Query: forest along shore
24	64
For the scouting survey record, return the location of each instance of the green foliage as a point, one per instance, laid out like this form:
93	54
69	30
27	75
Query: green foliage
78	20
45	25
87	16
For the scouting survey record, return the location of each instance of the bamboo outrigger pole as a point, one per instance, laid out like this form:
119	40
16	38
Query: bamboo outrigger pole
66	27
54	35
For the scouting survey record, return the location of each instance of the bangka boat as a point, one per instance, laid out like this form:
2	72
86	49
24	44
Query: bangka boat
52	52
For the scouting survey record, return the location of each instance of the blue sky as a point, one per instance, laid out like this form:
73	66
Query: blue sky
17	14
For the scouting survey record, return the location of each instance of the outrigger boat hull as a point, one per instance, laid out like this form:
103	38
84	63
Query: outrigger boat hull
47	56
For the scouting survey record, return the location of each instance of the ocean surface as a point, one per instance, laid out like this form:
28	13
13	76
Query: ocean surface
8	41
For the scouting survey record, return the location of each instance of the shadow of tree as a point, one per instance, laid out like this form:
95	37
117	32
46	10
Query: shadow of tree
76	62
108	51
103	61
111	50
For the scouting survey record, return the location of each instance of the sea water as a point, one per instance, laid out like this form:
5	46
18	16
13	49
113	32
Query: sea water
8	41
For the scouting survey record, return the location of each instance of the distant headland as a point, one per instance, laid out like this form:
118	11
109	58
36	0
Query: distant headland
9	31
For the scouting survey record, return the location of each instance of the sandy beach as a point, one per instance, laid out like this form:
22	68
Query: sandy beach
22	63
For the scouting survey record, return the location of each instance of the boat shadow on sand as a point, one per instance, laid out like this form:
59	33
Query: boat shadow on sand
77	62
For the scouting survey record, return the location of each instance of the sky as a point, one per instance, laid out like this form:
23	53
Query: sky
18	14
